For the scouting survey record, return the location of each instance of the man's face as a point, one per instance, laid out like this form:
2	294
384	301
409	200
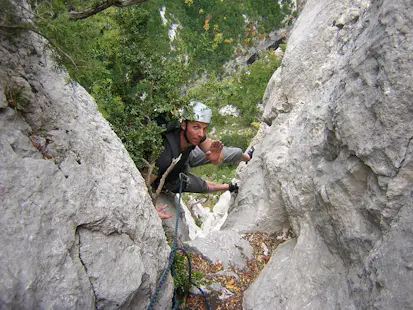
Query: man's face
195	131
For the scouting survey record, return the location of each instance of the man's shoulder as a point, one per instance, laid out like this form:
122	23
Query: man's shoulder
172	142
170	149
173	136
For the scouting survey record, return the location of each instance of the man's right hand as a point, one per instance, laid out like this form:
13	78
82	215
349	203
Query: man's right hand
213	154
162	215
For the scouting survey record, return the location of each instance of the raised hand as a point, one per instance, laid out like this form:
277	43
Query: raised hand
214	152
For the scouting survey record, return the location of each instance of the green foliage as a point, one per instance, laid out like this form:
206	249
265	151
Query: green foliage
211	29
125	59
180	275
244	91
198	222
13	93
223	173
287	7
252	84
147	77
269	14
8	14
236	139
81	40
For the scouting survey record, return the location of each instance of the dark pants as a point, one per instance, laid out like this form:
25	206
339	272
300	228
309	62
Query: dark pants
190	184
195	184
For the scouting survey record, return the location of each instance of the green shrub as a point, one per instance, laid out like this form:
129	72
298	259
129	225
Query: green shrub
236	140
124	54
244	91
180	275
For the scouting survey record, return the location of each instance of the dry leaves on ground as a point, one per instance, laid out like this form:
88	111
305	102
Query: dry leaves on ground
263	245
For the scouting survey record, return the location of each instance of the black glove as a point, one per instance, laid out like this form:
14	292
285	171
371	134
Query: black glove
233	188
251	151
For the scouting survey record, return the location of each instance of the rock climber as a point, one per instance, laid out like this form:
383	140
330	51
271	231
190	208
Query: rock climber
197	149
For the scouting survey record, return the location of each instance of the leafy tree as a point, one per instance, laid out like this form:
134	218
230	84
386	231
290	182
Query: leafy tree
125	59
84	41
244	90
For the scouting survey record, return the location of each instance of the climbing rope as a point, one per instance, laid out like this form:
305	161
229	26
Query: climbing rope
171	259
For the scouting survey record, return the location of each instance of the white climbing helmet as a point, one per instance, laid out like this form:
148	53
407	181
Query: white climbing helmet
198	112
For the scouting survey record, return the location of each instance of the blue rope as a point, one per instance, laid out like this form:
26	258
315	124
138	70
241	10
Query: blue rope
171	258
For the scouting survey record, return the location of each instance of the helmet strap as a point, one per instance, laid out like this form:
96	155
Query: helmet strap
186	128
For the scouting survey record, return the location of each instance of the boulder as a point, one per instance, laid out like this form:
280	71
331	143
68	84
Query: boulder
212	220
334	164
226	247
78	229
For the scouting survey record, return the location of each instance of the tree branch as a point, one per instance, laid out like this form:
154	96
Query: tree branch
151	167
162	182
77	15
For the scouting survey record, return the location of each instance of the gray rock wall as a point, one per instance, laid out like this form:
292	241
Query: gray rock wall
334	163
77	228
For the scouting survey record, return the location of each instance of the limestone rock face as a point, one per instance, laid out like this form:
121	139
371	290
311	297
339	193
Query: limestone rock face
334	162
226	246
77	228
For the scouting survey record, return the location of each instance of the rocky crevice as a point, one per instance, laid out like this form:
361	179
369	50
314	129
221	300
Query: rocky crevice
78	252
405	155
334	165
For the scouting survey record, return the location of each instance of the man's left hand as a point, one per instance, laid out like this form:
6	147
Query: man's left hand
214	152
163	215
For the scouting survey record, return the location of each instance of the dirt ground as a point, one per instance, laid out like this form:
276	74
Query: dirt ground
263	245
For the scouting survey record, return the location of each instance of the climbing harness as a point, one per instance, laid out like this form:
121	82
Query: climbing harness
171	259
